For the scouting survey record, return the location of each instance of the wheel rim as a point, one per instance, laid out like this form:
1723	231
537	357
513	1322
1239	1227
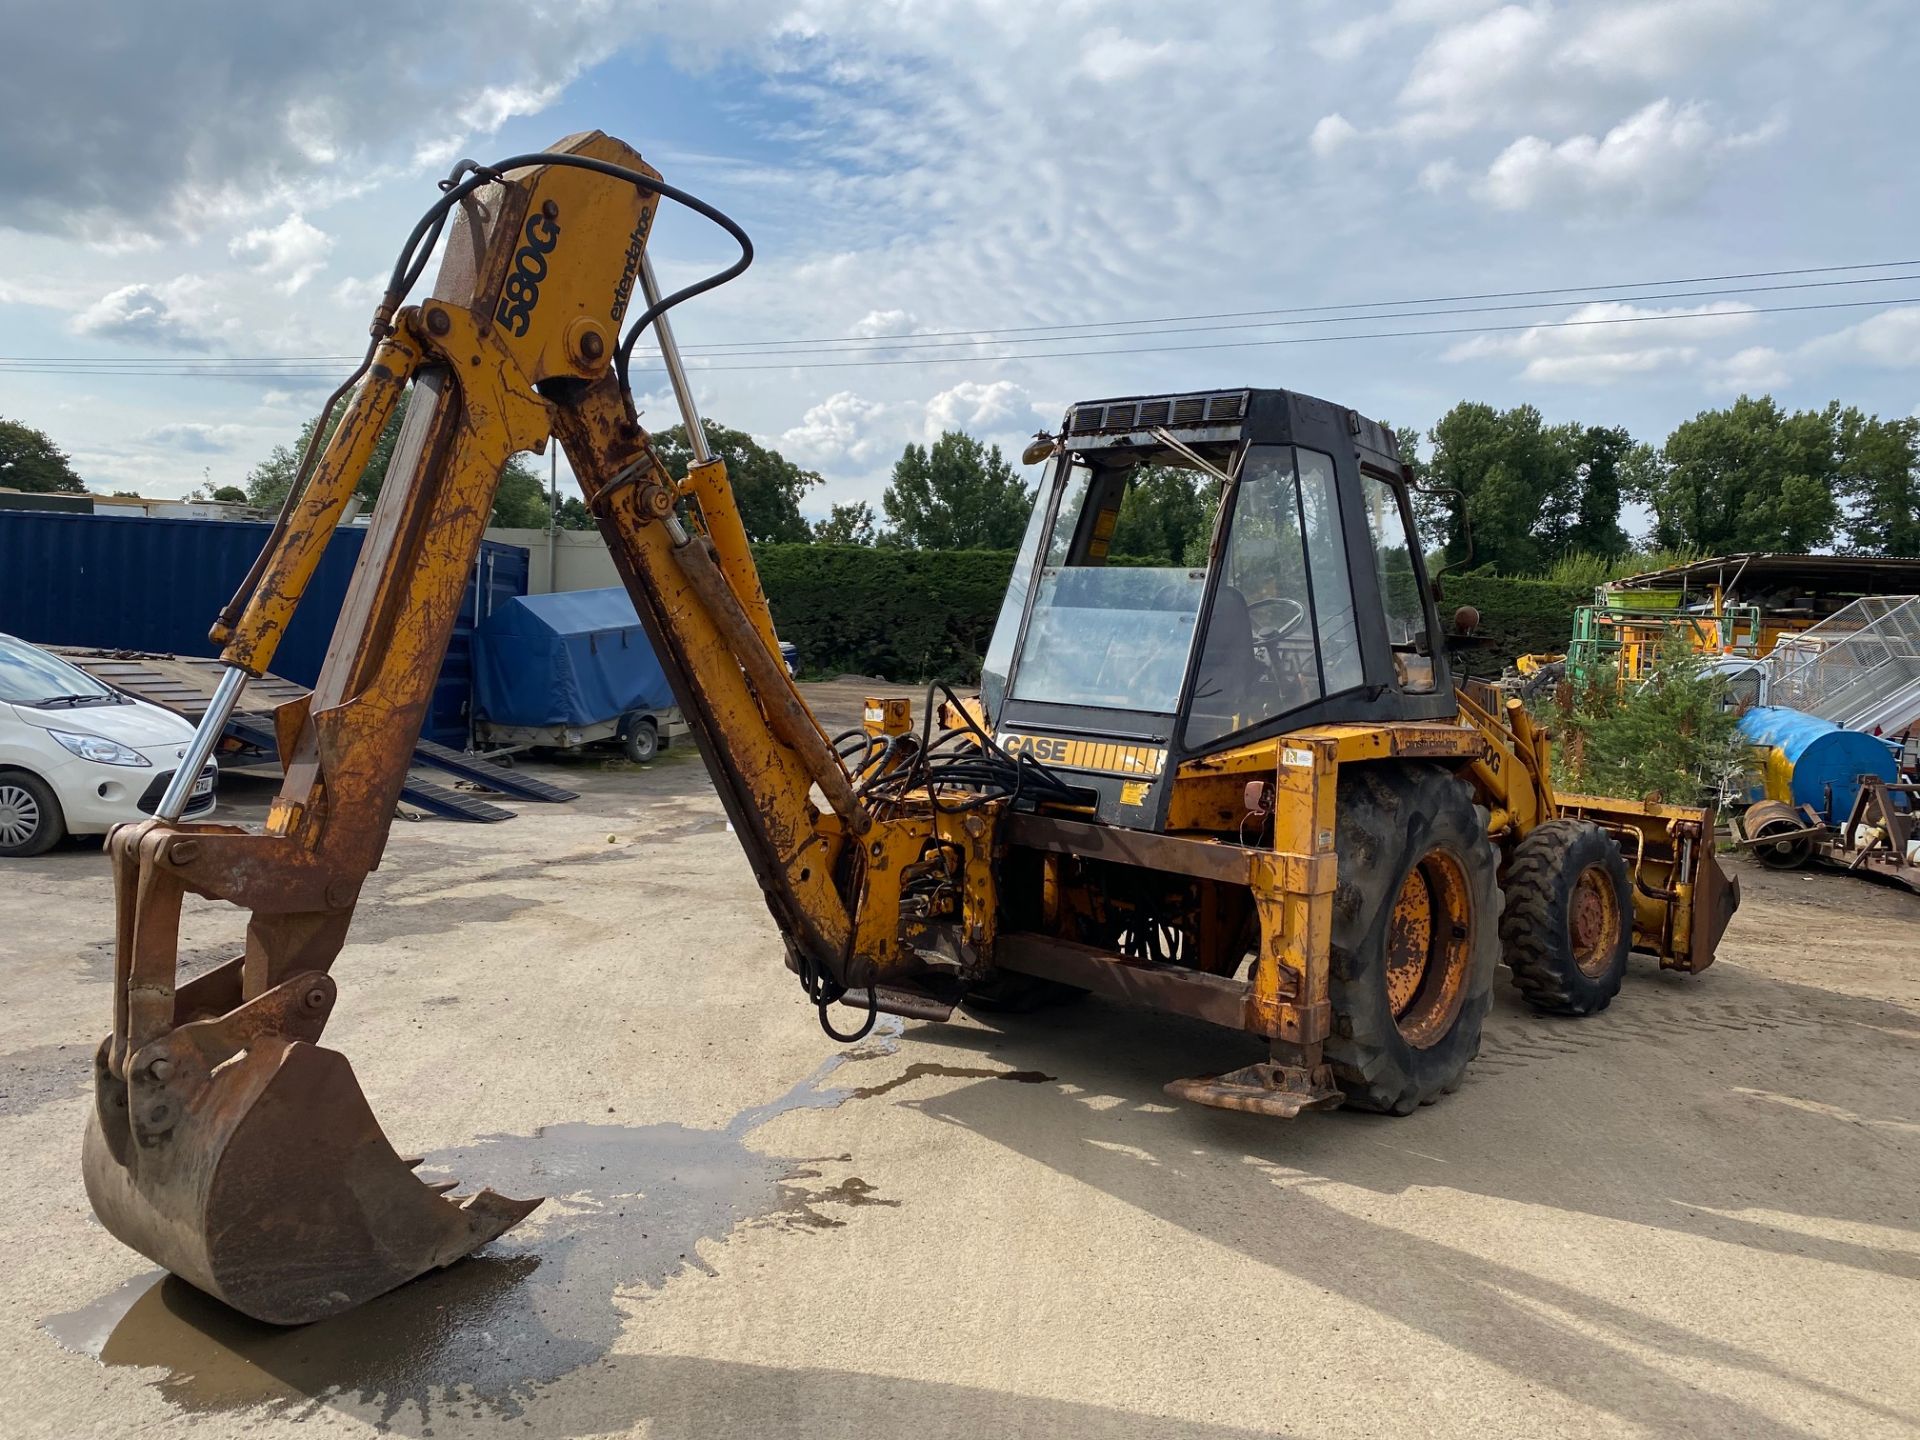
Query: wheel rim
1429	948
1593	922
19	815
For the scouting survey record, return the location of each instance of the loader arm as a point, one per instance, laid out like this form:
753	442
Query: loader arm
225	1143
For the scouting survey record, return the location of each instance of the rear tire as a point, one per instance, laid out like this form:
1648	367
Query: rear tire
641	741
1568	923
31	821
1415	935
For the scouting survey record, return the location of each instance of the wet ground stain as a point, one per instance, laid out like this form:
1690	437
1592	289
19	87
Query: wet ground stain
42	1075
628	1208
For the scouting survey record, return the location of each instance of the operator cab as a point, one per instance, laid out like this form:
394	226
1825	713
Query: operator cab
1302	601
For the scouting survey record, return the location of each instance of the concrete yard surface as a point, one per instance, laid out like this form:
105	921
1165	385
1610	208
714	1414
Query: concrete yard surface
1697	1213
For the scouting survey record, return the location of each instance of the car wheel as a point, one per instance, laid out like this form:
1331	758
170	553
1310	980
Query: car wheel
642	741
31	822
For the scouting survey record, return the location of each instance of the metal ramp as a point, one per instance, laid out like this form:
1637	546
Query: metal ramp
184	683
1858	669
422	794
490	774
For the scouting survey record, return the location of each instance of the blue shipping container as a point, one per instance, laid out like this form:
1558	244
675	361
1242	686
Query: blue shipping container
118	582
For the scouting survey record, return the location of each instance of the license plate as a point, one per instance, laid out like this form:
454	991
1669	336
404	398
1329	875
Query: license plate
203	787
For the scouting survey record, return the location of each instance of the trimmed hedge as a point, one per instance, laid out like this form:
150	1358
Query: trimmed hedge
1519	617
901	615
906	615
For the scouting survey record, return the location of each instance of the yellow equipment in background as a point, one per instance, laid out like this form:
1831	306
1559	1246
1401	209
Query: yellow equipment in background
1245	790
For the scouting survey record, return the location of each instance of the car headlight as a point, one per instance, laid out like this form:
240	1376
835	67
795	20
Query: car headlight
99	749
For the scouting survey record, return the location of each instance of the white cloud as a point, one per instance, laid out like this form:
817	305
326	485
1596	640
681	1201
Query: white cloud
1661	155
1330	134
1351	40
1890	339
1758	367
162	316
1109	56
978	407
290	253
876	323
1466	73
1610	341
360	292
842	429
1657	39
198	438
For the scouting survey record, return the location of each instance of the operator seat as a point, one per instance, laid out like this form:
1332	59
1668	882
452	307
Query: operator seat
1230	671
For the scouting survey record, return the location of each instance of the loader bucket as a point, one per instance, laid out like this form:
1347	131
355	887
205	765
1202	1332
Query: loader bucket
1682	899
244	1158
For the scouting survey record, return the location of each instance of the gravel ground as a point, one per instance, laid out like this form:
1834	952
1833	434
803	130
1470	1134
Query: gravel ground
1695	1213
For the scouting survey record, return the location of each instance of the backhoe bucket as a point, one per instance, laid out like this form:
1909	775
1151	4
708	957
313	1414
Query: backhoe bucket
244	1158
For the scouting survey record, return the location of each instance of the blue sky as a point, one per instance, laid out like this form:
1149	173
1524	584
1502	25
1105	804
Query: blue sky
213	181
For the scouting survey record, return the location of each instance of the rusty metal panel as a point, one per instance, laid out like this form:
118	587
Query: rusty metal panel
1208	859
1213	998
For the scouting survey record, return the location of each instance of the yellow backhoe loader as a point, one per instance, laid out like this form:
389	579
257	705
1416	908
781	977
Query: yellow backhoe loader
1245	789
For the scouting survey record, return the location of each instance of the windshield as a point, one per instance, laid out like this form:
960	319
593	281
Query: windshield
1113	637
30	676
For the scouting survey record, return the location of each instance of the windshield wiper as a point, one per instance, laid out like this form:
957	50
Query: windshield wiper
71	699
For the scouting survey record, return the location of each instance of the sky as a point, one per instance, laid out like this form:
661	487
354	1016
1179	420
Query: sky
1035	203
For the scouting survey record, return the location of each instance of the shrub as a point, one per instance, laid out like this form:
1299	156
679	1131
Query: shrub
1670	738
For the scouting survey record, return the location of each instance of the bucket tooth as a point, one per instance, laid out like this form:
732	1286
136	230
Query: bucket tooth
262	1177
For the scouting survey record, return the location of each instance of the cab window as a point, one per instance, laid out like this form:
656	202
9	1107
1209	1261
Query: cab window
1390	526
1106	636
1283	631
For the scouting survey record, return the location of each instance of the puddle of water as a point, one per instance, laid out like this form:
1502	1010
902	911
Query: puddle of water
628	1208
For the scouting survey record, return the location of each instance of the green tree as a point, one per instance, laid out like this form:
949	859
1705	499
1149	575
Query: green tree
29	460
520	502
574	514
767	487
1528	491
1880	468
230	494
269	481
851	524
956	495
1749	477
1167	515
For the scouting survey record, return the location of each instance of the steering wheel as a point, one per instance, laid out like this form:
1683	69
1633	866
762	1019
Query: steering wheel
1290	623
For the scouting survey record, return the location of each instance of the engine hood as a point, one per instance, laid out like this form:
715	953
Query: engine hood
140	725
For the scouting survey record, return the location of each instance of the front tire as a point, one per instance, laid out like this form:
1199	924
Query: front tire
1415	935
31	821
1569	919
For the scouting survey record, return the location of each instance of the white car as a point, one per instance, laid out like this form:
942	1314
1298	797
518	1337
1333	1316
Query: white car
78	757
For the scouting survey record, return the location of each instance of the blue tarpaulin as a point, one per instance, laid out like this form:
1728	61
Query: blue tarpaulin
577	658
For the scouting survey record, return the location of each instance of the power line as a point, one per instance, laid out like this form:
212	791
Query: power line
1379	311
1342	319
1351	305
283	369
1327	339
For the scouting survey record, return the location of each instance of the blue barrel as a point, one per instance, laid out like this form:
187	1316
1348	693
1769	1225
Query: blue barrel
1808	761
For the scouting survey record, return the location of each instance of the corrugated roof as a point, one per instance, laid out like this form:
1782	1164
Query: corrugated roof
1770	569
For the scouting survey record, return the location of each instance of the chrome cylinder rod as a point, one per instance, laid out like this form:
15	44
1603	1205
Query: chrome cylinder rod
676	372
213	724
